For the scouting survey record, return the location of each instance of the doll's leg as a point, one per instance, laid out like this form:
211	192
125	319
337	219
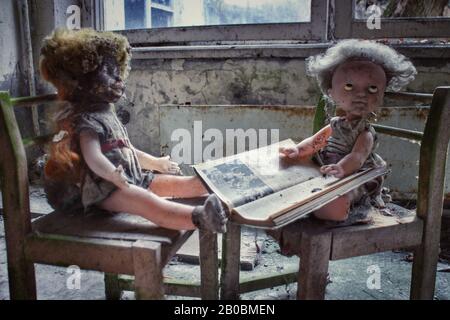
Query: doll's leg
336	210
177	186
134	200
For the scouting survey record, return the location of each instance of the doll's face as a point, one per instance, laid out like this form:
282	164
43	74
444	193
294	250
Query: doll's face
105	83
358	87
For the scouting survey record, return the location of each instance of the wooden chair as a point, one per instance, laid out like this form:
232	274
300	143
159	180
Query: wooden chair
115	244
317	244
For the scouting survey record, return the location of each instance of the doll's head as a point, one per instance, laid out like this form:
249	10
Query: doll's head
86	63
355	74
86	66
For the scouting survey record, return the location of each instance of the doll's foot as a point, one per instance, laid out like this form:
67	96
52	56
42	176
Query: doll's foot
211	216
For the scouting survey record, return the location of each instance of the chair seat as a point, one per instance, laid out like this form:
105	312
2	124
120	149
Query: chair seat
396	228
102	225
97	241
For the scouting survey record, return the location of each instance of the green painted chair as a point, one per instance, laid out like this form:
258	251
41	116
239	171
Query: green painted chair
317	244
118	244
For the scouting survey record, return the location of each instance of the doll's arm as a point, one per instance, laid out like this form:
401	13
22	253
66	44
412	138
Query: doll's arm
163	165
97	162
308	146
354	160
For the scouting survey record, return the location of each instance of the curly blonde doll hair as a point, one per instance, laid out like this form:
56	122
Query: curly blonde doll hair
66	57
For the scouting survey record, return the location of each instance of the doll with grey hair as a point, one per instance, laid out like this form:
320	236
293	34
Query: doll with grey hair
353	75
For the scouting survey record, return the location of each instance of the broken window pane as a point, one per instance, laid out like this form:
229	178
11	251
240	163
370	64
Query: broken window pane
140	14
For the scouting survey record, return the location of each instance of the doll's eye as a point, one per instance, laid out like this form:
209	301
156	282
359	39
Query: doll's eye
373	89
348	87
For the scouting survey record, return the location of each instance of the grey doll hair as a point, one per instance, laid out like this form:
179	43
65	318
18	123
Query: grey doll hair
399	70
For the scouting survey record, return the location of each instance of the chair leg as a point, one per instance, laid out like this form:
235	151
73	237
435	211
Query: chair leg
21	273
112	286
22	279
230	265
423	278
209	266
314	259
148	283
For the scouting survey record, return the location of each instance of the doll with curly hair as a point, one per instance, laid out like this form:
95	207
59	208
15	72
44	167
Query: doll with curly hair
353	75
92	163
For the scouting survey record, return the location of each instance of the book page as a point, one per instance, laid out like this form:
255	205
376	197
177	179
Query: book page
292	203
254	174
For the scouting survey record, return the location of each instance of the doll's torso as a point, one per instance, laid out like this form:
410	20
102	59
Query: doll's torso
343	138
340	143
116	147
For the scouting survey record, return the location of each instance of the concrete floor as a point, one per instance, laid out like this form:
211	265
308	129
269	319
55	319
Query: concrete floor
348	277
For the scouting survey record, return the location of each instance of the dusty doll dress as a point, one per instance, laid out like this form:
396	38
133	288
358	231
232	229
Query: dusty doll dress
340	143
115	145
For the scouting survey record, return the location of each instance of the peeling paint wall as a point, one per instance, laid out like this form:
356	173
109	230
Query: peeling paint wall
239	81
11	72
44	16
234	81
9	47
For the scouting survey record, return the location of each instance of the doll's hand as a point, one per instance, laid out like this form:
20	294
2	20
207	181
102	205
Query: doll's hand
167	166
333	169
291	152
119	179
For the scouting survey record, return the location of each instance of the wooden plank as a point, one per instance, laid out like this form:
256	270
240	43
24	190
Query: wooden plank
263	282
387	234
120	226
169	251
148	281
171	286
231	245
209	265
111	256
15	194
193	289
249	256
102	225
433	156
313	270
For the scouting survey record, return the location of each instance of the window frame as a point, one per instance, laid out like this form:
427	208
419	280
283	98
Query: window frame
431	27
315	30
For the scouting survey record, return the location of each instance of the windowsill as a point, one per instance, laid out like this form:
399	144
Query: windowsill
283	50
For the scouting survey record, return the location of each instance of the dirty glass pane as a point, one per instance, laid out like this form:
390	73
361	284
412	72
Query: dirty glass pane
364	9
139	14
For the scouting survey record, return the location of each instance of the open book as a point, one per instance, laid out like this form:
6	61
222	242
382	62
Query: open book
263	190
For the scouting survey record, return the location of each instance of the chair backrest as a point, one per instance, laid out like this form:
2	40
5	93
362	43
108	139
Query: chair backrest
433	158
13	167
